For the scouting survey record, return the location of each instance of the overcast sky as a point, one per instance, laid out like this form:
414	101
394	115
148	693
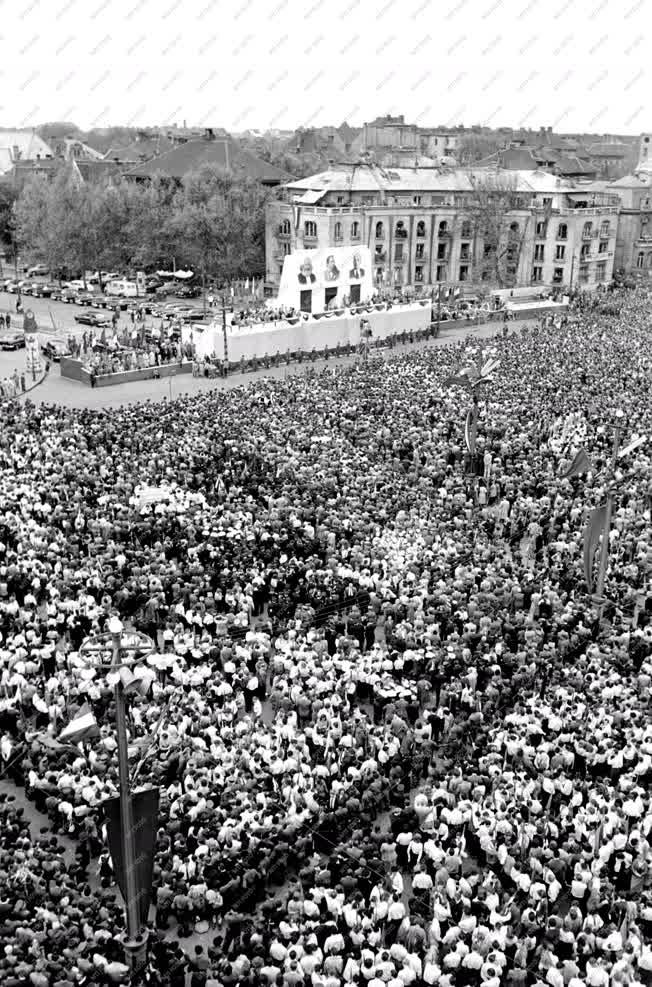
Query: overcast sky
238	64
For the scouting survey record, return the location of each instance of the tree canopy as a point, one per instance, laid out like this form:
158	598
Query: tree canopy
213	222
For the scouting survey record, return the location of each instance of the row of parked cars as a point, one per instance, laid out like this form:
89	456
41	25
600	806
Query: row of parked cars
53	349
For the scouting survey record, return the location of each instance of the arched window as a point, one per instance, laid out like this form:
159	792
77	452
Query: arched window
421	228
605	228
400	232
514	229
310	228
649	260
380	232
562	231
355	230
443	228
338	231
587	229
640	260
286	229
466	229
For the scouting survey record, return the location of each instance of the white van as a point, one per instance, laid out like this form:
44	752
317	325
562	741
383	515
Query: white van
122	289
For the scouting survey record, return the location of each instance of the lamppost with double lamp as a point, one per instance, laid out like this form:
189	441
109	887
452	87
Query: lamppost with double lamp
125	651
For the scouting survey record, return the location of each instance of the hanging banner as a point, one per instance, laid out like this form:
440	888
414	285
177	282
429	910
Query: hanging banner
592	533
145	817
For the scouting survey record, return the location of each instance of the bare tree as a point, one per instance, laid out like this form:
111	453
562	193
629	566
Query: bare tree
499	221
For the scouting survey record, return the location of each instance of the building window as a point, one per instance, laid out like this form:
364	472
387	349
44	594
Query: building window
380	232
441	251
584	273
443	228
586	232
538	251
287	249
465	251
488	250
398	275
417	200
379	274
603	246
420	250
466	230
464	272
400	232
484	276
558	275
338	232
441	272
310	228
421	228
537	274
340	200
541	228
514	229
585	251
640	260
649	260
601	271
398	251
605	229
286	229
355	230
547	201
560	253
562	231
418	273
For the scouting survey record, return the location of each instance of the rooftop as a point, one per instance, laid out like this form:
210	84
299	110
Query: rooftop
179	161
371	178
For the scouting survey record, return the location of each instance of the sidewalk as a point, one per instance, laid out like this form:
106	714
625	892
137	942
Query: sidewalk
60	390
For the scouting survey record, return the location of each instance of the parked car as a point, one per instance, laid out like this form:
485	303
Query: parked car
187	291
38	271
43	289
84	298
28	289
69	295
54	349
95	319
194	314
12	340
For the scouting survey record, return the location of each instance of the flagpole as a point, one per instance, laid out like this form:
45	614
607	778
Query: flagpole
604	548
135	942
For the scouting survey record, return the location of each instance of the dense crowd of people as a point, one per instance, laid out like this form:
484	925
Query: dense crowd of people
394	743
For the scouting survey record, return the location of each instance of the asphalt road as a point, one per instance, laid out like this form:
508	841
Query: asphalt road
60	390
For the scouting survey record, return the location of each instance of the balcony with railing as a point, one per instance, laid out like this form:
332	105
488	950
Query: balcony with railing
310	240
380	257
444	234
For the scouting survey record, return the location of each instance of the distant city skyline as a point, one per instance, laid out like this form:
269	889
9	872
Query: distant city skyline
285	64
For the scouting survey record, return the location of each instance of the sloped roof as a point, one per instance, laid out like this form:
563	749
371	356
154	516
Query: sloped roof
520	158
571	165
607	150
140	150
30	147
373	178
630	181
179	161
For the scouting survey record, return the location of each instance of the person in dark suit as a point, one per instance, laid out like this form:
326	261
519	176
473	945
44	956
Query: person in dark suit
356	271
332	271
305	272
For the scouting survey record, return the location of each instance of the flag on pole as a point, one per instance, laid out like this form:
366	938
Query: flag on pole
471	430
145	819
581	464
83	727
594	528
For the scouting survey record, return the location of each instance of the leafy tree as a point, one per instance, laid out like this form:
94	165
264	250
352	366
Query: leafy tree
497	227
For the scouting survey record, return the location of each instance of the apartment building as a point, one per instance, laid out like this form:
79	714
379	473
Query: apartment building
426	226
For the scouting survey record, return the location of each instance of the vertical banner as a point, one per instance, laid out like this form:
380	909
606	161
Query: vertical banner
145	817
33	363
592	533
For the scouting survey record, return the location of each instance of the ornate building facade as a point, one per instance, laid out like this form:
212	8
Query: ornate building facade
481	229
